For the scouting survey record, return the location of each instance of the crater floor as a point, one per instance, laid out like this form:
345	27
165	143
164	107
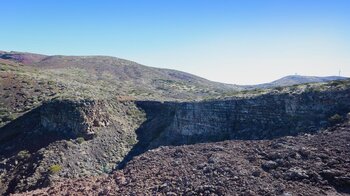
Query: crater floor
317	164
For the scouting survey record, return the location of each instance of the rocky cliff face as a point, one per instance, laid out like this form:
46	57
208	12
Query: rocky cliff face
262	117
74	119
58	119
64	138
70	139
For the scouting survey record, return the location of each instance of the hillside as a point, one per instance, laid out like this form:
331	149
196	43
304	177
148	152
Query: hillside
111	76
27	80
298	79
102	76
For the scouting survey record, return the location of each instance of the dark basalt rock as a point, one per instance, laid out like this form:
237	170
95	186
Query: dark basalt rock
199	170
263	117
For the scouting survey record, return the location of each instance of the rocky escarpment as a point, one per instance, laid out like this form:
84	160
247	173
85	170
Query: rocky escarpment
261	117
65	138
74	119
70	139
54	120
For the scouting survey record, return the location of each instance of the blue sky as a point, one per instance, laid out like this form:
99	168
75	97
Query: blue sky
237	41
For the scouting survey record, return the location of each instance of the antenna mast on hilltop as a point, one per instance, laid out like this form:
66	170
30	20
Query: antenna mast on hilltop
339	72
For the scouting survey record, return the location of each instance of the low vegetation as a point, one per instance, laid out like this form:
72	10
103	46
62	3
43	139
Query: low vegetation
53	169
336	118
80	140
24	154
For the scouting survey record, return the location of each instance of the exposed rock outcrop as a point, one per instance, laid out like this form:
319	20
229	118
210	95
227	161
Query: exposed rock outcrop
64	138
74	119
260	117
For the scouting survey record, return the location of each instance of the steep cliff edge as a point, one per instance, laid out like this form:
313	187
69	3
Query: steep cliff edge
77	138
261	117
63	118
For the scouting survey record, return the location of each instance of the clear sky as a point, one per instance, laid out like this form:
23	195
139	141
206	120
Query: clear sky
232	41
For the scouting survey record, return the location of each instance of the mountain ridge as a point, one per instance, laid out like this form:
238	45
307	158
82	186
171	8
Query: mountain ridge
53	61
298	79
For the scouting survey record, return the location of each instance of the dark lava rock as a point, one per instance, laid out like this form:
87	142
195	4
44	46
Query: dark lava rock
228	172
269	165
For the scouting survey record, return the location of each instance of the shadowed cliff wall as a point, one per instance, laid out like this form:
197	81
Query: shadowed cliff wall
262	117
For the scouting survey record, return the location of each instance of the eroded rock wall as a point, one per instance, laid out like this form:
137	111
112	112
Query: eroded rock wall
76	137
262	117
74	119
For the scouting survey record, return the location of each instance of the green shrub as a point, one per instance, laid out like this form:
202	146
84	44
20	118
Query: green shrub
80	140
130	141
50	82
4	69
336	118
55	169
3	112
24	154
8	117
106	169
279	88
336	83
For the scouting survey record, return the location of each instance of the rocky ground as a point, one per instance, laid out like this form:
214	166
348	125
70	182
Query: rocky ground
316	164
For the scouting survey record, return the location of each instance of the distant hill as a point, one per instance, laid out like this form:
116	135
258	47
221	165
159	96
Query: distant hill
106	75
22	57
297	79
117	76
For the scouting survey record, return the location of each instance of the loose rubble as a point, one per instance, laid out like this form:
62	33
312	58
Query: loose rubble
307	164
